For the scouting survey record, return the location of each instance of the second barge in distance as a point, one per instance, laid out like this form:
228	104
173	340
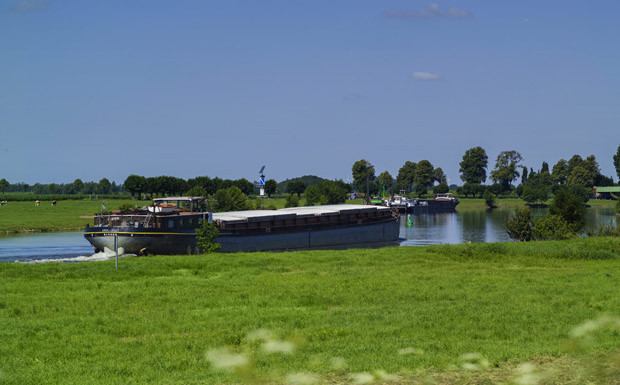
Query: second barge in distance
168	227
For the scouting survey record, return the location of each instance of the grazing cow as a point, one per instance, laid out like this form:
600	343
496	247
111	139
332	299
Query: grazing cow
37	203
3	203
54	202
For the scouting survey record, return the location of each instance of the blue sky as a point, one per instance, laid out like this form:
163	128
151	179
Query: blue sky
93	89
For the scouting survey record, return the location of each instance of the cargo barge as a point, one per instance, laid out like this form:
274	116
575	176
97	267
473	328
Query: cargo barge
168	227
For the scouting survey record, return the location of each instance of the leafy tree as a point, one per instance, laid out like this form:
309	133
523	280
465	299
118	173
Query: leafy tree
420	189
362	171
245	186
230	199
4	184
134	184
474	165
104	186
574	162
313	195
440	176
196	191
505	171
523	175
296	187
570	207
406	176
78	185
617	162
581	176
424	174
385	179
519	226
270	187
327	192
535	194
441	188
471	189
559	173
206	236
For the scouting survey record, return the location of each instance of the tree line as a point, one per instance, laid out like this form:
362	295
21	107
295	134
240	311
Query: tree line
579	174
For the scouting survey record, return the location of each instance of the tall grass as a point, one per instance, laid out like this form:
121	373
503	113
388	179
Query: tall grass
348	316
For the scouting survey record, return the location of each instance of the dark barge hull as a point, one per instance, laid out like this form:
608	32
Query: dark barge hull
155	241
434	206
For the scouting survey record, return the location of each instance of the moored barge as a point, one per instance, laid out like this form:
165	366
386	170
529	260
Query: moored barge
168	227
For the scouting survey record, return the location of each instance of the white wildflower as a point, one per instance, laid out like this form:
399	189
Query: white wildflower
260	335
474	362
527	375
226	360
338	363
362	378
410	350
284	347
382	375
302	379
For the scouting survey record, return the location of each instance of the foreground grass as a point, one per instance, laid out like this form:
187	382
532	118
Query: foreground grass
18	217
154	318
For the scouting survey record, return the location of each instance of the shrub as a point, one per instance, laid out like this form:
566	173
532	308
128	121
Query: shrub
126	207
206	236
489	199
551	227
569	206
519	226
291	201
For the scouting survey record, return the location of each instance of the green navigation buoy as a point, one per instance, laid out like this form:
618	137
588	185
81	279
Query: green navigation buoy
409	221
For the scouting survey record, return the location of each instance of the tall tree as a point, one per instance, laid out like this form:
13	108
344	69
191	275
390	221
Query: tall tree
78	185
296	187
424	174
362	171
440	176
104	186
474	166
270	187
406	175
505	171
135	184
617	163
559	173
4	184
385	179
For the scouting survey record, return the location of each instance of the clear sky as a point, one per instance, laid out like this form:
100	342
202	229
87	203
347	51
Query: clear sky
92	89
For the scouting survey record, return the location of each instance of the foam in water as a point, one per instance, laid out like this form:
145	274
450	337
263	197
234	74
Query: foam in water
100	256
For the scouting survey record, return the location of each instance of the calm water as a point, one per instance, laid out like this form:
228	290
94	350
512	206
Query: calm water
459	227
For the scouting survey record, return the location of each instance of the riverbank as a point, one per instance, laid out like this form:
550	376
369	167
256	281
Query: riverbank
68	215
411	312
72	215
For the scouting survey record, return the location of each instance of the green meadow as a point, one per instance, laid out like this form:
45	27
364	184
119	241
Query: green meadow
24	216
395	315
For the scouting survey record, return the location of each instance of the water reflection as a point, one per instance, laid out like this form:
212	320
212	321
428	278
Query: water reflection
476	225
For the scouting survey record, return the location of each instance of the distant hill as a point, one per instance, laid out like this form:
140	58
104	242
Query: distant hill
309	180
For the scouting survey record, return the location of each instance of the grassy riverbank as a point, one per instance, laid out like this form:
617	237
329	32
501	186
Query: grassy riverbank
410	311
20	217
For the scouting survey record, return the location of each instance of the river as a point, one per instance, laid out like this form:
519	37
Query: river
468	225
